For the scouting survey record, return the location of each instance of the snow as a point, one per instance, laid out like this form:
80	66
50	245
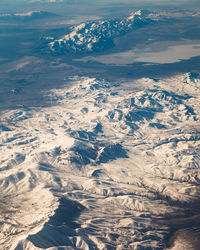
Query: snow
91	170
30	13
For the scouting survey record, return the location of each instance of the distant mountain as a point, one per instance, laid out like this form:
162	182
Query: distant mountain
47	1
26	16
99	35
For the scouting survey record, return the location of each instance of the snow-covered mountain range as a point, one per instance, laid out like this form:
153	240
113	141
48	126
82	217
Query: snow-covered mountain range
98	35
100	165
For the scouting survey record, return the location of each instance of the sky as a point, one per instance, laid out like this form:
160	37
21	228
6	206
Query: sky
154	2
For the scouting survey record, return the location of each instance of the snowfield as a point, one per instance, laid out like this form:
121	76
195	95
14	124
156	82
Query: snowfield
101	166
